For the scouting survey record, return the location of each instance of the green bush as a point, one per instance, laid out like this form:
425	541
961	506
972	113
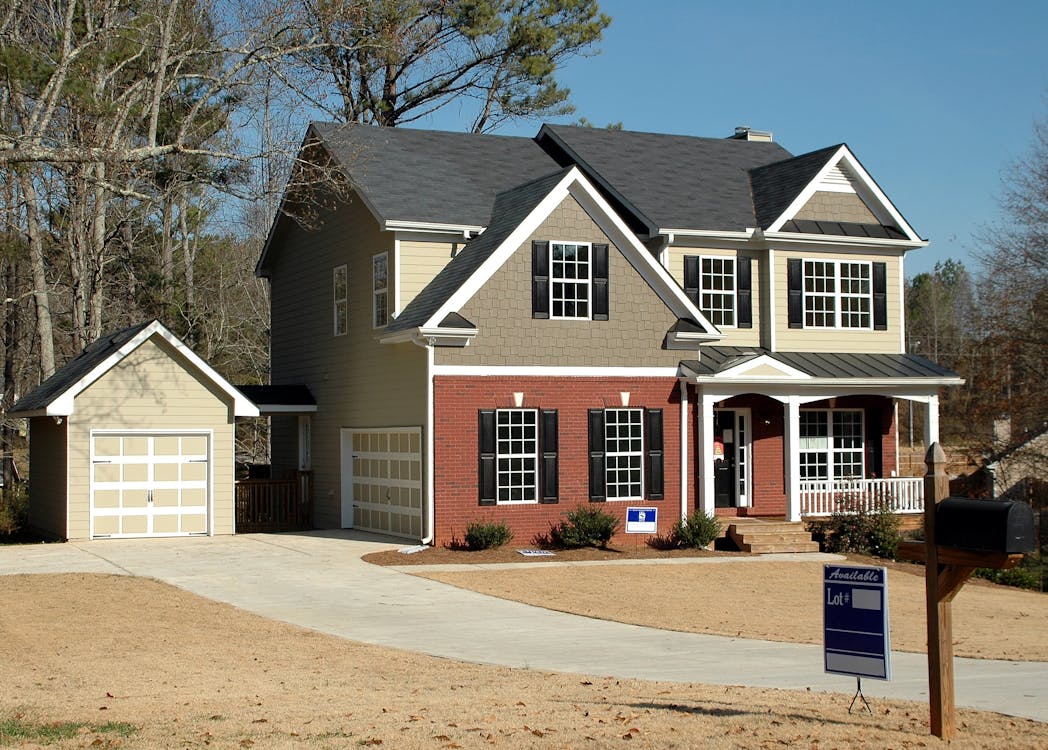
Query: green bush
487	535
697	530
1020	577
586	526
853	528
14	508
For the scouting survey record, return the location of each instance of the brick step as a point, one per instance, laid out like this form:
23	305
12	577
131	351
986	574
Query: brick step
768	549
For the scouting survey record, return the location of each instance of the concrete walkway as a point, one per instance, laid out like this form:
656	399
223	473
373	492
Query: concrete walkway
318	581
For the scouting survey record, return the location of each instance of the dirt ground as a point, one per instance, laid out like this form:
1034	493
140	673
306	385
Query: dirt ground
778	601
183	671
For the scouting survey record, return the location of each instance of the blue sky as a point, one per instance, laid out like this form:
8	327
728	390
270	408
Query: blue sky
935	98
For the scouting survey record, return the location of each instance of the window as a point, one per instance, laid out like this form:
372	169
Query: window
837	294
831	444
340	294
380	290
624	454
516	450
717	295
569	280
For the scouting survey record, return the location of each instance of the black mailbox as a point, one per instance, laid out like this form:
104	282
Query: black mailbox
984	525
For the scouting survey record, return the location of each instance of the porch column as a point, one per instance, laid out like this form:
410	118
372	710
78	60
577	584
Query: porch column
793	459
683	449
706	453
931	420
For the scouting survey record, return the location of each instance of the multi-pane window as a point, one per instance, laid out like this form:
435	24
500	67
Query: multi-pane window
837	295
569	280
831	444
717	290
380	289
516	451
624	453
340	295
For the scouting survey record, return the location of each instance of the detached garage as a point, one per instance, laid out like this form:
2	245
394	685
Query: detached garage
133	438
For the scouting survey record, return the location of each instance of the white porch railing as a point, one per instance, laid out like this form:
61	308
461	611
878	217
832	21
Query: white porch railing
897	494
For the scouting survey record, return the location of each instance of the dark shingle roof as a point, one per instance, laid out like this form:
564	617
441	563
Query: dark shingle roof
717	359
511	208
432	176
93	355
775	186
673	181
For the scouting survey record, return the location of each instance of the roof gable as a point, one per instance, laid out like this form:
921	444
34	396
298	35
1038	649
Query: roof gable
518	213
56	395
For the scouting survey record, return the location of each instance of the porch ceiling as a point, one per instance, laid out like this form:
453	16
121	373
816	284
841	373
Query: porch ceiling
280	399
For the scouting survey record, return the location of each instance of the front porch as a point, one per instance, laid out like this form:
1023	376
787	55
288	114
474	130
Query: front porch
899	495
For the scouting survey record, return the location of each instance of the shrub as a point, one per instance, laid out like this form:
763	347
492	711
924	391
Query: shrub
487	535
697	530
585	526
854	528
14	508
1022	578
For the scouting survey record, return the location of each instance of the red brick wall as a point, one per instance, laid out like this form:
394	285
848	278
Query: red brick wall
456	402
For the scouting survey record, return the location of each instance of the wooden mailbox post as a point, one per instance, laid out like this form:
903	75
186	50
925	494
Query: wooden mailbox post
946	570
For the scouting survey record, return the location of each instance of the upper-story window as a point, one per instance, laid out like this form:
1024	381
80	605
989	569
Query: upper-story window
837	294
720	286
569	280
340	295
380	290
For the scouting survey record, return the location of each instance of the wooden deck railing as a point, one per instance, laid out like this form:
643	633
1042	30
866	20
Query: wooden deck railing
268	505
898	494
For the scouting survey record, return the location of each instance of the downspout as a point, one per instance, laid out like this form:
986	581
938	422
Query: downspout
683	448
427	433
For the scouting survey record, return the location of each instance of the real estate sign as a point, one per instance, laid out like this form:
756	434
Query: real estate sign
856	636
642	520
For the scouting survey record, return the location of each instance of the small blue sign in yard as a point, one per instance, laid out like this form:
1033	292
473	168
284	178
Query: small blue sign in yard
856	634
642	520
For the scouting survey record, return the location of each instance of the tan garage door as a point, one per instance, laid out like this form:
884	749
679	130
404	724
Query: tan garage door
382	480
145	484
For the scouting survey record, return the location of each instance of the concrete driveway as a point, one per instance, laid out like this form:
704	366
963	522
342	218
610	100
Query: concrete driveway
317	580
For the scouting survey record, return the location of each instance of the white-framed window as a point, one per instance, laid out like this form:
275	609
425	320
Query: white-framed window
717	290
831	444
837	294
340	295
570	272
380	290
624	453
516	455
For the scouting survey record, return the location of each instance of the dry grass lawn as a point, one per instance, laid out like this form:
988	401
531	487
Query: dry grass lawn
168	669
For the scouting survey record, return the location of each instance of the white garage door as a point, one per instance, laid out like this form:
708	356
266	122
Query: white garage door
149	484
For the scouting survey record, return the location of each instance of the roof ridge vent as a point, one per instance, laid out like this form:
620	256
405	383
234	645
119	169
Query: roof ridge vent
746	133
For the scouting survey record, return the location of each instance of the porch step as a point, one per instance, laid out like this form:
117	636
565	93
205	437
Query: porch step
766	538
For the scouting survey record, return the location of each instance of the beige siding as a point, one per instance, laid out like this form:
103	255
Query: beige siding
843	339
508	335
420	262
47	476
733	336
357	382
831	206
151	389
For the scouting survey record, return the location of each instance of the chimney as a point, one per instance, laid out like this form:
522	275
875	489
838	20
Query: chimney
746	133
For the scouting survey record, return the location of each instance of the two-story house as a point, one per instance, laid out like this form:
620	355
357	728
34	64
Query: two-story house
503	328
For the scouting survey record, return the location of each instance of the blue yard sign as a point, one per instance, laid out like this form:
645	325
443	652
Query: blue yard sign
642	520
856	637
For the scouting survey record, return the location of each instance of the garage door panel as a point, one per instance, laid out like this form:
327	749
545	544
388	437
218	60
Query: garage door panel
149	484
386	481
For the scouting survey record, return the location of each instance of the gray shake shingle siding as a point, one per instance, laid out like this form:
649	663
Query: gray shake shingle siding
775	186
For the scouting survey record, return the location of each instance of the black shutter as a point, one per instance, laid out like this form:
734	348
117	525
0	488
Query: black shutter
486	458
539	279
600	282
691	278
795	294
548	472
653	463
880	297
874	453
744	292
597	484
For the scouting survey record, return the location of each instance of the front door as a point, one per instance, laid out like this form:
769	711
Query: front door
724	495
